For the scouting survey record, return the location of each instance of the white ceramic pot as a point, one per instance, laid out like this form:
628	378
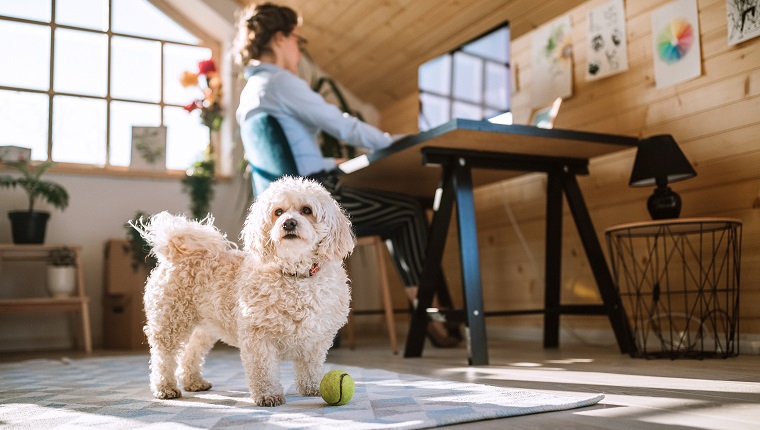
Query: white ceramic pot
61	280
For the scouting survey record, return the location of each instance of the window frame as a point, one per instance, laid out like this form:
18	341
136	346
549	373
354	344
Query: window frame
204	41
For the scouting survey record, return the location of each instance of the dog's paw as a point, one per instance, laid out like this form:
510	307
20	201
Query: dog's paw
309	390
197	385
167	393
269	400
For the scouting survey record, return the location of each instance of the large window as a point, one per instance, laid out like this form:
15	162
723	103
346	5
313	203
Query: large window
471	82
76	76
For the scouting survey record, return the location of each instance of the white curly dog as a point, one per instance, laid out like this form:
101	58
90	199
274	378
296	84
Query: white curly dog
283	297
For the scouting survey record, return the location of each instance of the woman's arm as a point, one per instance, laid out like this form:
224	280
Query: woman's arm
303	103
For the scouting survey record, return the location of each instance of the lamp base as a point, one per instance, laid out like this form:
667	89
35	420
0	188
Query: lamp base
664	203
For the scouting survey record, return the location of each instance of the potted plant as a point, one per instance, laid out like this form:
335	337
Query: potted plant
61	272
29	226
140	248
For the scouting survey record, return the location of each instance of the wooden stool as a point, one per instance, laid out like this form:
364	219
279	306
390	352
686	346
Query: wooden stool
380	249
78	303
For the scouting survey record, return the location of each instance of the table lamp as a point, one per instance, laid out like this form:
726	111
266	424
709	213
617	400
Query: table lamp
659	161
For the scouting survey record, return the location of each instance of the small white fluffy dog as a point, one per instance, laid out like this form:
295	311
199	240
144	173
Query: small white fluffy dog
283	297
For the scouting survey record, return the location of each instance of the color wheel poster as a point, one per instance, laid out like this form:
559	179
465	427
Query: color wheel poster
675	34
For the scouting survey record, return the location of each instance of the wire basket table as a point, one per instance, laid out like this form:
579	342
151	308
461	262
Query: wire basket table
678	280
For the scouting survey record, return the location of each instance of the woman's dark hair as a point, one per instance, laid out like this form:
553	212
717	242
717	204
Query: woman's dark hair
256	26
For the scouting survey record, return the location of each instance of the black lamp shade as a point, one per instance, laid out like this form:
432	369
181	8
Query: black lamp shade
659	161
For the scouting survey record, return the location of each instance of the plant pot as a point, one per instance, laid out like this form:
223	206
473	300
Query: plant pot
61	280
28	227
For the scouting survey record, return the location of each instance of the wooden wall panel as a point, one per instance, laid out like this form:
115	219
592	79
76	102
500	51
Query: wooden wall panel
714	118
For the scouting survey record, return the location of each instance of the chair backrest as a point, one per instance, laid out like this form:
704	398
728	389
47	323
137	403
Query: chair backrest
267	150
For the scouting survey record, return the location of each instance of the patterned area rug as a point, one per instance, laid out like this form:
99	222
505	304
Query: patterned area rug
112	393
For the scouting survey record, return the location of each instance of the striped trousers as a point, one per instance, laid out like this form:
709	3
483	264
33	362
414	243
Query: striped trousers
398	218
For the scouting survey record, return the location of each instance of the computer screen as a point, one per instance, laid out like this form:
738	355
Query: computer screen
471	81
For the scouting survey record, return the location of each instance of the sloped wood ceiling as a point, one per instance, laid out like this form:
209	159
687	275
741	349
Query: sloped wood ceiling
374	47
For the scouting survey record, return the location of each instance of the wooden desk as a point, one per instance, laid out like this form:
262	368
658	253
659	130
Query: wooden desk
78	303
462	154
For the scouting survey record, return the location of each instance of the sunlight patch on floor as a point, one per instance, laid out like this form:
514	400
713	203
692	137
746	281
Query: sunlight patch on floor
532	374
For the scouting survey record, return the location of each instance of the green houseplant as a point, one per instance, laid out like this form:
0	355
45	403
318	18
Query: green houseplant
199	184
29	226
139	247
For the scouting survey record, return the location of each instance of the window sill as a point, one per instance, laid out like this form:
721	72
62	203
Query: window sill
114	171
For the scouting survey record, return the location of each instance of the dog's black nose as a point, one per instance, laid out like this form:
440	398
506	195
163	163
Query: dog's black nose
290	224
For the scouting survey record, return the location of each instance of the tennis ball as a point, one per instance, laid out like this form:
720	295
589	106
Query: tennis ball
337	387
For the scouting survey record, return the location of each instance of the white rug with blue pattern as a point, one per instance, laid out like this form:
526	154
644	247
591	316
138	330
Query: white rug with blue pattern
112	393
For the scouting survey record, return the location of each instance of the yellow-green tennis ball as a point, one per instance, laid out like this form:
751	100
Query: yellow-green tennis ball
337	387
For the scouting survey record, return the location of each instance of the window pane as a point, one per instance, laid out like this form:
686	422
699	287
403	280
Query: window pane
178	59
468	77
123	116
186	137
24	121
136	69
140	18
79	130
81	62
497	86
466	111
82	13
434	111
493	46
435	75
38	10
29	53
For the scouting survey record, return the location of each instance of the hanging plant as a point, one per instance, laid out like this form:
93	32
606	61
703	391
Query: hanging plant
199	184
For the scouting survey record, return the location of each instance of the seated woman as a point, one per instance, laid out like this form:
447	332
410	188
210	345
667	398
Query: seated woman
269	45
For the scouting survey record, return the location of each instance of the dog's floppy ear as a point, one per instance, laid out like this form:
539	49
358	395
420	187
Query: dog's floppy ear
255	234
339	241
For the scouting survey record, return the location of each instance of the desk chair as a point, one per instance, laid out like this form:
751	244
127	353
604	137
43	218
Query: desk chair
269	154
267	150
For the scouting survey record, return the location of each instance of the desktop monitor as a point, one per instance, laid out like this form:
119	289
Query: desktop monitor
471	82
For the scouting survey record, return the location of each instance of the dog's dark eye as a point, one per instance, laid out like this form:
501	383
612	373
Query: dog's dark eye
278	212
306	210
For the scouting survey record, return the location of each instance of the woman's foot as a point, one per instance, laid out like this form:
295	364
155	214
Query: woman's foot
442	334
439	336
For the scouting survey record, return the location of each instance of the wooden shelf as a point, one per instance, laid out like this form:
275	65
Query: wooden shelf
43	304
78	303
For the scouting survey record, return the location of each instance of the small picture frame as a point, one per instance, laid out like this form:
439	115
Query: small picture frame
544	117
148	148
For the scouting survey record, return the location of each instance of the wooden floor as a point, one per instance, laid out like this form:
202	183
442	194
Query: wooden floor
640	394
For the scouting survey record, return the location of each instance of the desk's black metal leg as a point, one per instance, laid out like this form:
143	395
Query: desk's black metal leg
610	296
477	347
431	270
553	269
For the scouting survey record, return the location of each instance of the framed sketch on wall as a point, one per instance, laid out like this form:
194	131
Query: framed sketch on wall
606	49
551	62
743	17
148	148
